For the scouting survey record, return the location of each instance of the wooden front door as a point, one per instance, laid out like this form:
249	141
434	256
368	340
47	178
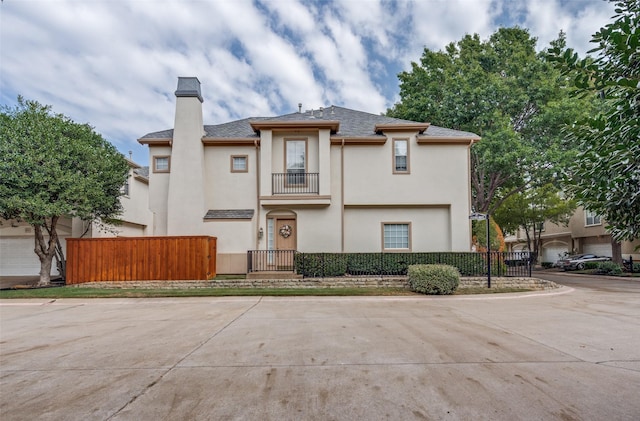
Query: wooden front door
285	234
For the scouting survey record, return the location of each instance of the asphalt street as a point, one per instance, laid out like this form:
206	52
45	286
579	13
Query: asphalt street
567	354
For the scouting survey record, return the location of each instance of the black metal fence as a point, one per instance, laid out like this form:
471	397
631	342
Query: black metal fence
270	261
295	183
320	265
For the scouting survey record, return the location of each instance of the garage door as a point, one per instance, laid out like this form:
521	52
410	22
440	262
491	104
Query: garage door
553	254
17	257
598	249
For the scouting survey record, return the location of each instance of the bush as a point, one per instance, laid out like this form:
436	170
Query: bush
433	279
592	265
312	265
608	268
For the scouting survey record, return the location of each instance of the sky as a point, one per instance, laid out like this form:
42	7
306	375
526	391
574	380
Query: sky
115	63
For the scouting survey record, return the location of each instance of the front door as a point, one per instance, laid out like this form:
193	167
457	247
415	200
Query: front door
285	240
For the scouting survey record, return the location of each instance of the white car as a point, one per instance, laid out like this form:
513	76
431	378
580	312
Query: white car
578	261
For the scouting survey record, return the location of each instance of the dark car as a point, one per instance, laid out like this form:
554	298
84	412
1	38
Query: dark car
578	261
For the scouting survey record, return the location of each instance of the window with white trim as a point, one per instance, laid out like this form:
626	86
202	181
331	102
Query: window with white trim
400	156
125	188
592	218
296	161
396	236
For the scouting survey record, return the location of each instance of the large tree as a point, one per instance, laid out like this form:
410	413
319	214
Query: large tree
506	92
605	177
52	167
531	209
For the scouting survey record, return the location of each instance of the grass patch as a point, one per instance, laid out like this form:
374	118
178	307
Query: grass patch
74	292
483	290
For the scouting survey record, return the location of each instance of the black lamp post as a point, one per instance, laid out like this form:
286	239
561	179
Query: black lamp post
479	217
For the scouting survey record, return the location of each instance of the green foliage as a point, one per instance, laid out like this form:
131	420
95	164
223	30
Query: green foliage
605	176
375	264
501	89
433	279
547	265
479	232
52	167
314	265
531	208
591	265
609	268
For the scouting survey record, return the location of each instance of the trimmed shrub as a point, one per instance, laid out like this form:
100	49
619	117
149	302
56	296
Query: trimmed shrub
608	268
433	279
591	265
312	265
547	265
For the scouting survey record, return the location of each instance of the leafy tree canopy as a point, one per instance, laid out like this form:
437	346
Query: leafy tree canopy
506	92
530	209
52	167
605	177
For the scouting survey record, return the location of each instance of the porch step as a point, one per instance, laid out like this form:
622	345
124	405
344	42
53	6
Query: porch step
273	275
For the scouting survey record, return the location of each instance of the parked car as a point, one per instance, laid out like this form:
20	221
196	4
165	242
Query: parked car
578	261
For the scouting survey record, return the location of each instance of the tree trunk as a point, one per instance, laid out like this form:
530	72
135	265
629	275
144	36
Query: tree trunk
616	251
45	249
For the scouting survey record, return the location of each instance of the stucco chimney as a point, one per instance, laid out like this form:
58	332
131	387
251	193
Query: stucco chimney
185	207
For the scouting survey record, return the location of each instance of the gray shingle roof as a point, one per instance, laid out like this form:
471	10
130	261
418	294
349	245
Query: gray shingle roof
353	123
229	214
143	171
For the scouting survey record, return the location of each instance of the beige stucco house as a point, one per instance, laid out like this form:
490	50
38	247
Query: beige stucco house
326	180
17	257
585	233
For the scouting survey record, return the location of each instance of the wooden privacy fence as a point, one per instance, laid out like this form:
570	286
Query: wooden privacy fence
140	259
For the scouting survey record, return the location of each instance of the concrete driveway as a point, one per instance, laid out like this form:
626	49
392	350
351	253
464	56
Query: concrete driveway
569	354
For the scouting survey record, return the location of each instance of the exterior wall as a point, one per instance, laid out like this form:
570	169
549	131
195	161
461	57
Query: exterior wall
437	173
137	219
319	230
224	189
429	231
158	191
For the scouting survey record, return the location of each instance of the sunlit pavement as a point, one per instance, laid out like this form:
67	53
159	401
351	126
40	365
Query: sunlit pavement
569	354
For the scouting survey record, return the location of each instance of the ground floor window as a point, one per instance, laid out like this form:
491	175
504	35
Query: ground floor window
396	236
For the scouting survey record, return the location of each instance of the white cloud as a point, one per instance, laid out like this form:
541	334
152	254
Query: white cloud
114	64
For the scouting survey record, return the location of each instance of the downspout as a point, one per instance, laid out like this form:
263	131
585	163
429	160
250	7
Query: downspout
258	218
469	211
342	196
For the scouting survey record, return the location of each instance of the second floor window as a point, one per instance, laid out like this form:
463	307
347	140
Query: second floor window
296	161
125	188
161	164
401	156
239	163
592	218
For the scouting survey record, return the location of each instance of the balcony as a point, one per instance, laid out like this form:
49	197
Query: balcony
295	183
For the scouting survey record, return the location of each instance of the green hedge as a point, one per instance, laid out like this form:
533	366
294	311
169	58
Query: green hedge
433	279
608	268
591	265
376	264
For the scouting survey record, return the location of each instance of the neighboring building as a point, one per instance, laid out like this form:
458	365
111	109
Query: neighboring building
585	233
17	257
326	180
